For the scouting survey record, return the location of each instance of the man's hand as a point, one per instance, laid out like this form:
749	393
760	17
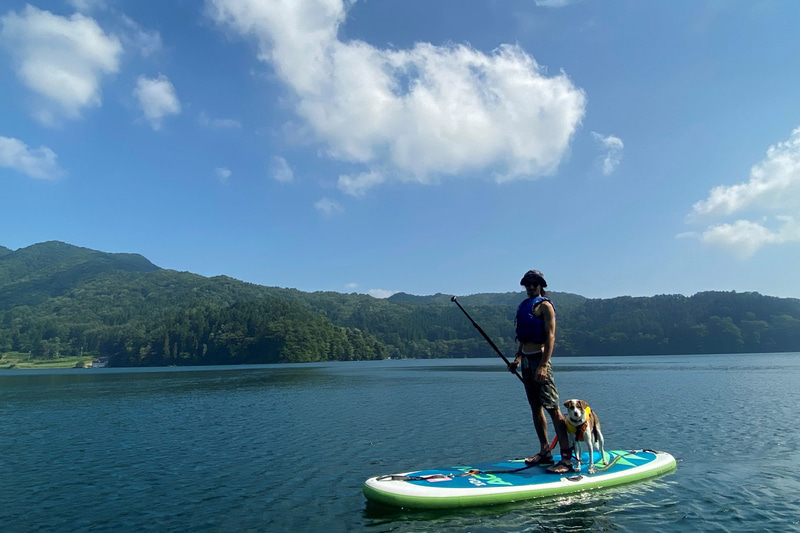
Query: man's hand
512	367
541	373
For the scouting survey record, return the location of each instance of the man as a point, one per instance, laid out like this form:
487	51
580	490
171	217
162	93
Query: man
536	333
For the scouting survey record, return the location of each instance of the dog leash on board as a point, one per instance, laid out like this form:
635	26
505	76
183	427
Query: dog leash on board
476	472
620	456
603	470
473	472
437	477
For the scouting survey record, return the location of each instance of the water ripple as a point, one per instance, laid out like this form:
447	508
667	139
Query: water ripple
287	448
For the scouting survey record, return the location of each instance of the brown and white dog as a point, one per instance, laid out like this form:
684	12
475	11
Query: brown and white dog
583	426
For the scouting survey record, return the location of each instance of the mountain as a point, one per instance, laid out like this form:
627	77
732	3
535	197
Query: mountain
58	299
32	275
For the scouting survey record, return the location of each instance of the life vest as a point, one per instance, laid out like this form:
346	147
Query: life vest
529	327
578	430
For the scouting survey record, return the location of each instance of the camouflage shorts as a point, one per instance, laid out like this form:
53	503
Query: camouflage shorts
545	393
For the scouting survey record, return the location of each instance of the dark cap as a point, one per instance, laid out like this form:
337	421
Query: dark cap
533	277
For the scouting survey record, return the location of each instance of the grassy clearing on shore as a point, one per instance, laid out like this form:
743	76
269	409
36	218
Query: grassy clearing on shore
22	361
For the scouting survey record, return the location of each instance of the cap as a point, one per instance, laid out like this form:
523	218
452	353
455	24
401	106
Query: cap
533	277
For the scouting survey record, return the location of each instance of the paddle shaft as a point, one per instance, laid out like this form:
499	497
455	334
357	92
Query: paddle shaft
485	336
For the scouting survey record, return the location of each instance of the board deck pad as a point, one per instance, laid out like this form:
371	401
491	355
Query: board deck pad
489	483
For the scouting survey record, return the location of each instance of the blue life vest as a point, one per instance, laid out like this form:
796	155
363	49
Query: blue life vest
529	327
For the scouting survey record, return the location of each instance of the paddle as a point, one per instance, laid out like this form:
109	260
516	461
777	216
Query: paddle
485	336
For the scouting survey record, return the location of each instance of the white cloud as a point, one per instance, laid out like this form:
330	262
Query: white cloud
420	113
62	60
148	42
279	170
774	183
223	175
157	99
86	6
329	207
358	185
612	146
774	186
351	286
743	238
219	123
380	293
37	163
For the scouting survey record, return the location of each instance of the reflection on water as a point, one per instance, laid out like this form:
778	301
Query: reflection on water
286	448
588	511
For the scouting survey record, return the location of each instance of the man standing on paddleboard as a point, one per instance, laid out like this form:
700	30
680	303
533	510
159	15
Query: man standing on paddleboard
536	333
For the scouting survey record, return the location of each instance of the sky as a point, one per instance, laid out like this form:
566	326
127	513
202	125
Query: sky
624	148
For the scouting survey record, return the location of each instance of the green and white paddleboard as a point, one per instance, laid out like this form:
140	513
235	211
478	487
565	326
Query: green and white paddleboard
509	481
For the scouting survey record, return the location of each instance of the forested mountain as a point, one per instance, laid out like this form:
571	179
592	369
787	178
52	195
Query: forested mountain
57	299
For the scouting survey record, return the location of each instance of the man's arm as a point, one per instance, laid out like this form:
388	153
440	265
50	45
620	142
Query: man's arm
549	316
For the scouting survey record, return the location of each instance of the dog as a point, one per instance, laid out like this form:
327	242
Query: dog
583	426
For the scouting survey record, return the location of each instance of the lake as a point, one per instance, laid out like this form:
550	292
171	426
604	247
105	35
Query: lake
287	447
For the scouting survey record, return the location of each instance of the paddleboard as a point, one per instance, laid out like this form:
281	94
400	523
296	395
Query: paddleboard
510	481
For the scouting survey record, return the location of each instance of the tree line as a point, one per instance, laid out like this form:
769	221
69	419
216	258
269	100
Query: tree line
58	300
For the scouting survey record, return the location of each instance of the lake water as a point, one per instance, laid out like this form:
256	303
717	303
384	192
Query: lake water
287	448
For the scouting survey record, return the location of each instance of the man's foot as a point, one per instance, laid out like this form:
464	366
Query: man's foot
564	466
541	458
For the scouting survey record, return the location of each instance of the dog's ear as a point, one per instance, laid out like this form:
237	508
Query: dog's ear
584	405
566	404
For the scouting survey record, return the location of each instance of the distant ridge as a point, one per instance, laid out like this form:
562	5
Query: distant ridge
36	273
57	299
402	297
43	259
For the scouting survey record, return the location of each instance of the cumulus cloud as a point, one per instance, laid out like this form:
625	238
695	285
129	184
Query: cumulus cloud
773	187
358	185
63	60
380	293
147	42
612	146
773	183
223	175
421	112
375	293
329	207
39	163
743	238
132	35
157	98
279	170
85	6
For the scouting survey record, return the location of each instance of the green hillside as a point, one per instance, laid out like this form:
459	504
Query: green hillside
58	300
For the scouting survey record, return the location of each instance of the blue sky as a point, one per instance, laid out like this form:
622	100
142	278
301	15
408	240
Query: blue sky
622	147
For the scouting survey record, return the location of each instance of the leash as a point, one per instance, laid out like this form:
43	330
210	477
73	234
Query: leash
618	457
474	472
435	477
